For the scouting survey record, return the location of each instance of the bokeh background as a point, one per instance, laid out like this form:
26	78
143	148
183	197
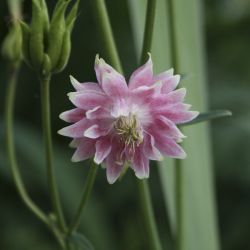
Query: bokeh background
111	219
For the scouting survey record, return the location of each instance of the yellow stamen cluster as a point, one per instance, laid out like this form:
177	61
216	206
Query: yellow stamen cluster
127	129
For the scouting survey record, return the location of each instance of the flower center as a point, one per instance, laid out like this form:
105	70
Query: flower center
128	130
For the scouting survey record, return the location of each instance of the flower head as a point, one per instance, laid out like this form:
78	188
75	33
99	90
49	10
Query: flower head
117	123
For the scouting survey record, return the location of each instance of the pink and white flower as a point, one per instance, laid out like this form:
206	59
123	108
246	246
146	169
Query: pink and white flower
118	123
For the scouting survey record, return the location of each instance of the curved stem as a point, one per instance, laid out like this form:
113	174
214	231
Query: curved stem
148	31
147	210
85	196
45	97
9	111
102	19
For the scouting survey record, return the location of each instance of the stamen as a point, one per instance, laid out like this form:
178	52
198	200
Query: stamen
128	130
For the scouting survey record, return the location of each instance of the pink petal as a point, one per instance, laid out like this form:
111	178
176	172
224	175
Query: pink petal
163	76
75	142
88	100
95	131
77	129
142	76
120	108
73	115
101	68
86	86
149	148
113	169
98	113
170	84
168	128
179	117
85	150
114	86
140	164
163	100
169	147
103	148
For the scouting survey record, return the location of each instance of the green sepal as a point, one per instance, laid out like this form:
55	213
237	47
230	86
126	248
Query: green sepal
203	117
70	20
65	53
46	67
25	44
36	42
45	12
56	32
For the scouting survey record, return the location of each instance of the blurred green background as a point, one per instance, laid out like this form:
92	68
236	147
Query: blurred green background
112	218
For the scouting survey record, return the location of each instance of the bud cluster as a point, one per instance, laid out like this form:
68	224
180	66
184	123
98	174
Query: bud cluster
47	41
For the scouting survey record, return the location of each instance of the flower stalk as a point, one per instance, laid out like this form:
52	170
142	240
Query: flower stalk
85	196
45	98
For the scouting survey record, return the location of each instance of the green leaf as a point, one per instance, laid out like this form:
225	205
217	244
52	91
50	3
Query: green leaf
207	116
78	241
198	211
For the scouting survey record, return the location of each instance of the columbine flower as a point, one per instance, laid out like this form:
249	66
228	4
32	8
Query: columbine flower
118	123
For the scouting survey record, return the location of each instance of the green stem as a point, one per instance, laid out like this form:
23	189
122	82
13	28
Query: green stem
178	205
148	31
177	163
147	210
85	196
102	19
45	97
9	114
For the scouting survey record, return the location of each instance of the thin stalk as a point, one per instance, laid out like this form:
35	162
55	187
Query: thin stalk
85	196
102	19
9	117
45	97
148	31
147	211
177	163
178	205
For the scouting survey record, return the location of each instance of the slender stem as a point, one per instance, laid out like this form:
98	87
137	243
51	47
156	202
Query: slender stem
9	114
45	97
85	196
148	31
178	205
147	210
178	164
102	19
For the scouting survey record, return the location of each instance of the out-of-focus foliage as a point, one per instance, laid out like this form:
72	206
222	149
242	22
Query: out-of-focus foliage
111	220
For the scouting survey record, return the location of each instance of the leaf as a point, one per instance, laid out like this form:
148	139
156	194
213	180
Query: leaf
78	241
203	117
199	215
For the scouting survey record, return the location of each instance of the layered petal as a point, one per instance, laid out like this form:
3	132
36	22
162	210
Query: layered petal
103	148
88	99
85	150
114	86
77	129
140	163
102	68
86	86
143	76
150	150
169	147
73	115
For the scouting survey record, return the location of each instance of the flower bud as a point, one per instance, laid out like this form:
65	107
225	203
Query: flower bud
12	44
36	41
56	32
25	44
46	67
65	53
